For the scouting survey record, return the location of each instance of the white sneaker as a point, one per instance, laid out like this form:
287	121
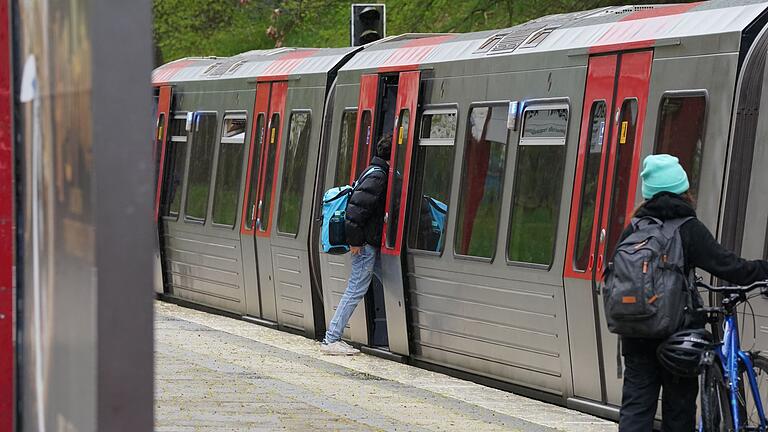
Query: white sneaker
338	348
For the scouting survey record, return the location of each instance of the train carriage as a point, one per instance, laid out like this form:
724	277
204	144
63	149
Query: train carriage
515	166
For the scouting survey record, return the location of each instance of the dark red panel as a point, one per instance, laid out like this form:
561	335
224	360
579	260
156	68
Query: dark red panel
276	105
369	85
7	226
261	106
601	79
161	135
407	98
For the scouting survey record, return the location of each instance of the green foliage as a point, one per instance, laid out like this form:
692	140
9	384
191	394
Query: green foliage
226	27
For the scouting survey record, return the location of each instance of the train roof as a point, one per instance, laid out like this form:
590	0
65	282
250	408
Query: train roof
257	64
599	30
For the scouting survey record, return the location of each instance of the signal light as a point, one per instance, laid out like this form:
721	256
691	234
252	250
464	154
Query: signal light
368	23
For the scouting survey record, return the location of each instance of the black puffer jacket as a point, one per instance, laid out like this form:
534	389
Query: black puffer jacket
365	210
701	251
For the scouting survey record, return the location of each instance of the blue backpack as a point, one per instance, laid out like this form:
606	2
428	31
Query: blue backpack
434	233
333	236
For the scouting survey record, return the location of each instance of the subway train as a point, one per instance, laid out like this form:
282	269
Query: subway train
515	167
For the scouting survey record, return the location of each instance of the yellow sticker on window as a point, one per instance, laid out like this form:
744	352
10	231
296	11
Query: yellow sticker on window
400	136
272	136
623	138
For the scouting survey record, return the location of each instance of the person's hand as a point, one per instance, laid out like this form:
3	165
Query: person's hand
355	249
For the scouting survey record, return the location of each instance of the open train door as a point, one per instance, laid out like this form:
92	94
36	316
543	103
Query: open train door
161	134
392	254
358	328
603	201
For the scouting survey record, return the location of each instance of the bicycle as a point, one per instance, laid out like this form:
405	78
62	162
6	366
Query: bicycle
725	403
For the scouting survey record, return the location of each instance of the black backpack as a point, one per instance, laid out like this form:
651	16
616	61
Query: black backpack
647	293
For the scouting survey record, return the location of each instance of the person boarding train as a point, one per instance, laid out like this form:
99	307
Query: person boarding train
363	226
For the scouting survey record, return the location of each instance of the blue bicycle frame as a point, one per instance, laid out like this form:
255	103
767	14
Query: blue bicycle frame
731	355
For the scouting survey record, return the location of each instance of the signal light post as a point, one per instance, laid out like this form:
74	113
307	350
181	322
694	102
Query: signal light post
368	23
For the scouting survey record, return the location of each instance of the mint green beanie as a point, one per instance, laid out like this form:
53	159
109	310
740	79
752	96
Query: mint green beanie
663	173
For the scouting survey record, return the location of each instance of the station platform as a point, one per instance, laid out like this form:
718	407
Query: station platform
215	373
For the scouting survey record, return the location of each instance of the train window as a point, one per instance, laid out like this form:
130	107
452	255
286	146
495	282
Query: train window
681	132
294	173
622	175
482	178
158	145
234	128
546	126
364	143
346	147
175	158
200	163
401	141
432	182
538	186
229	170
589	187
253	181
438	125
265	201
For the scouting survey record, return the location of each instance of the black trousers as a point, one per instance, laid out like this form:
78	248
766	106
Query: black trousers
643	378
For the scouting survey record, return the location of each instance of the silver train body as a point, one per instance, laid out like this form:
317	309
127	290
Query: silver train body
515	166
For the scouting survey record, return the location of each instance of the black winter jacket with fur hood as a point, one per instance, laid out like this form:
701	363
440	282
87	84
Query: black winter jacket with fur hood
365	209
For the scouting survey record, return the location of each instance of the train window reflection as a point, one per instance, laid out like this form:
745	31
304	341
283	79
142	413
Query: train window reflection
229	170
200	163
346	147
681	133
363	143
482	178
547	125
234	128
294	173
399	150
624	138
536	195
589	187
432	181
263	209
158	145
175	160
253	180
438	125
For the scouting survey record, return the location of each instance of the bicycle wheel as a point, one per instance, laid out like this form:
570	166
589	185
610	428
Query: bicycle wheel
760	366
715	409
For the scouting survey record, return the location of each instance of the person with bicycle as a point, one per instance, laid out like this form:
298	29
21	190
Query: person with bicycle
665	188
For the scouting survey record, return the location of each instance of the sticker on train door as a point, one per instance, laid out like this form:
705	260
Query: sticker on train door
623	138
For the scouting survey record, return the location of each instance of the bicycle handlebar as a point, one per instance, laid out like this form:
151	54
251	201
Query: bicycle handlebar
733	289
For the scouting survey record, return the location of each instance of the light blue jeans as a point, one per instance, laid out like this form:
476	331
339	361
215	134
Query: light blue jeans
364	265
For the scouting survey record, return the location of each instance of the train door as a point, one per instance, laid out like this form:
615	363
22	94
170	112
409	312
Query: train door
395	211
265	201
357	329
603	201
162	119
253	295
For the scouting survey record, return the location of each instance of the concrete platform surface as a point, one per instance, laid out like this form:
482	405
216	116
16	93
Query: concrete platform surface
220	374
